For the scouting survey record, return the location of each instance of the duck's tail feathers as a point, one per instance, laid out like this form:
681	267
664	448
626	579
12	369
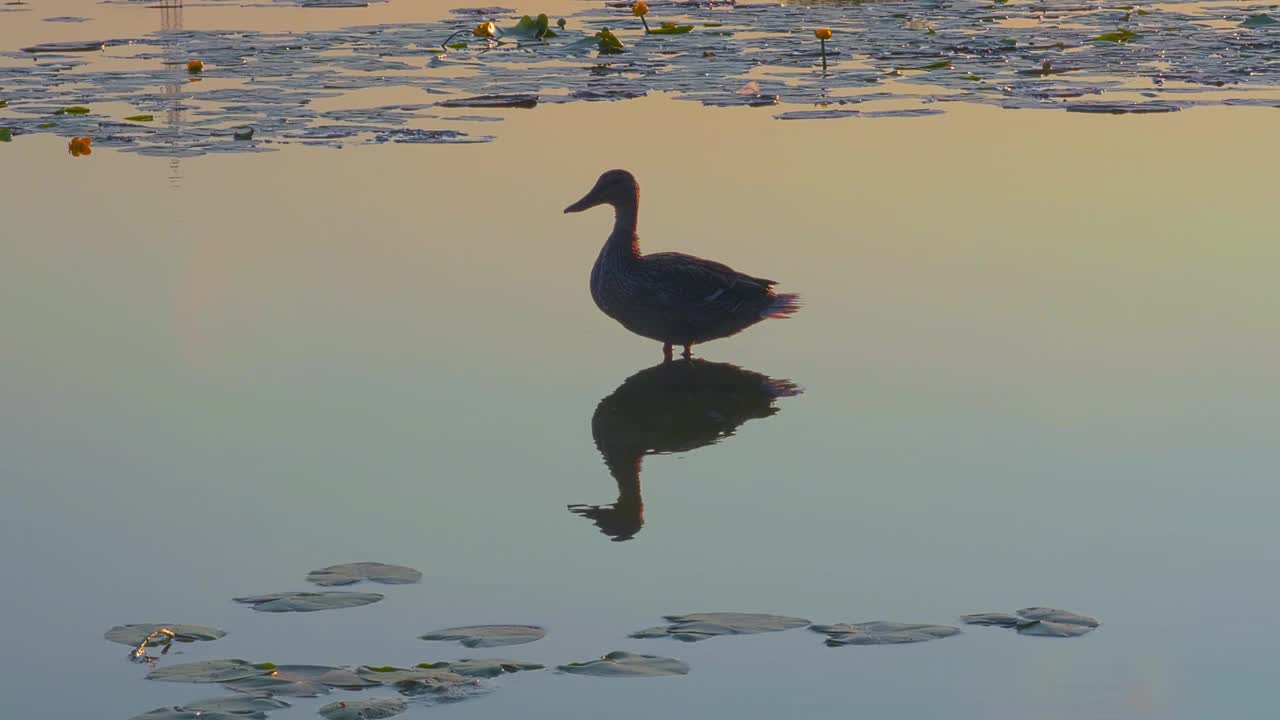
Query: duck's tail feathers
783	306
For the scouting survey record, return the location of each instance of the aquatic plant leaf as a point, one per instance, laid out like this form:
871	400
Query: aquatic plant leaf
209	671
235	706
73	110
308	601
625	664
816	114
1259	20
475	636
135	634
65	47
301	681
492	101
352	573
1122	108
671	30
372	709
141	118
486	668
701	626
1038	621
391	675
608	43
530	28
1119	36
879	632
6	135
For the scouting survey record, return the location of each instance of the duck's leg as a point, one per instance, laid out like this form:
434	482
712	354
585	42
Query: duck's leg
688	351
666	352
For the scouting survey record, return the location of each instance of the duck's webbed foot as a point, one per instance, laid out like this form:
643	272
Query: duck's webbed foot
688	351
666	352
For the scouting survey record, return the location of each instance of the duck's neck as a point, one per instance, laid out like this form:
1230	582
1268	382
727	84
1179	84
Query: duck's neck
623	243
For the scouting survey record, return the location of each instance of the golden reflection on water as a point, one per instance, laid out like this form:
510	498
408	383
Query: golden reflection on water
672	407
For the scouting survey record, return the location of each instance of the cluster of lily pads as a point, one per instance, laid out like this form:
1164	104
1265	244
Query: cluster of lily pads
259	686
910	57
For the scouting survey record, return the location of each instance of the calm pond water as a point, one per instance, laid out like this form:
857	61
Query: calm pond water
1038	359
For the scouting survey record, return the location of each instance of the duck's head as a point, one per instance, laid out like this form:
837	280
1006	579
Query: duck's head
615	187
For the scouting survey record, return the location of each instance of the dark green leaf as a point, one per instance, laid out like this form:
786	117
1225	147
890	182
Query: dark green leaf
1119	36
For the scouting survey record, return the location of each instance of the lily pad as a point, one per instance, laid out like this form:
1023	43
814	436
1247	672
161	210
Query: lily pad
625	664
352	573
882	633
1119	36
6	135
391	675
671	30
308	601
371	709
702	626
135	634
236	706
493	101
531	28
476	636
301	681
486	668
1259	20
210	671
64	47
141	118
1038	621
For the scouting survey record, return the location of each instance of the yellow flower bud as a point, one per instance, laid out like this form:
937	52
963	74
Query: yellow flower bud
80	146
822	33
485	30
194	66
640	9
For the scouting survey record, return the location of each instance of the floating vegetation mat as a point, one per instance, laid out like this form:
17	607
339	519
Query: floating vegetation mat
254	91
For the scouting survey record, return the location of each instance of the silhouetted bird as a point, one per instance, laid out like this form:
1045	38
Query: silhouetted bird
668	408
673	298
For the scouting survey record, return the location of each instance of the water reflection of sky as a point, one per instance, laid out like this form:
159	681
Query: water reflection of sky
1038	363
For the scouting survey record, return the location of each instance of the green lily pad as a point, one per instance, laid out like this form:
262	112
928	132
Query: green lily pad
1253	21
428	676
364	709
701	626
4	103
530	28
625	664
73	110
458	46
1038	621
486	668
6	135
210	671
308	601
141	118
882	633
301	681
352	573
236	706
476	636
671	30
135	634
608	43
1119	36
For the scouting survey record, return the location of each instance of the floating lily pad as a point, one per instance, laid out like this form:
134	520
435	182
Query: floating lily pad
486	668
702	626
226	708
301	681
1038	621
1119	36
352	573
475	636
625	664
816	114
135	634
423	675
671	30
73	110
531	28
882	633
65	47
210	671
308	601
493	101
6	135
364	709
1259	20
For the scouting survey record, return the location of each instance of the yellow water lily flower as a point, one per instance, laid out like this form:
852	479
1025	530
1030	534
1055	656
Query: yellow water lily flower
640	9
195	66
80	146
485	30
822	33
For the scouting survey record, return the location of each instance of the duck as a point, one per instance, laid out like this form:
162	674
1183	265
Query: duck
671	297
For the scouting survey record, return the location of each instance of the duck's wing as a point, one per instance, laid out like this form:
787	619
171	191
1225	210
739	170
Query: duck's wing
695	282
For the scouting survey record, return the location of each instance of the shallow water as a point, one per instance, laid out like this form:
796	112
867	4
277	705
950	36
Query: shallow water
1038	360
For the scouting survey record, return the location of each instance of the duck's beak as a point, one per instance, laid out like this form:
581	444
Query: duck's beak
586	203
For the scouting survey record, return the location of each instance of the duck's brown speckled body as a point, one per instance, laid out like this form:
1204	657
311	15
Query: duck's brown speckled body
673	298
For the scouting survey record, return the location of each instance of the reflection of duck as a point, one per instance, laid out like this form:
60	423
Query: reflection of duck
673	298
671	407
